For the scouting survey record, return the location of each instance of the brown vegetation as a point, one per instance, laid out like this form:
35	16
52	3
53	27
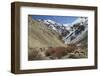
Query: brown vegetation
56	53
71	51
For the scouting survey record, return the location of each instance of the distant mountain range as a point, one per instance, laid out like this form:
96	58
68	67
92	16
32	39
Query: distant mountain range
70	33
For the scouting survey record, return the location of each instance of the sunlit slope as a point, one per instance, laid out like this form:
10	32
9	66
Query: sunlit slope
39	35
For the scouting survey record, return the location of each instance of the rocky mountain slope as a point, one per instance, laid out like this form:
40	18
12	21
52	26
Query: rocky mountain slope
48	39
69	34
39	35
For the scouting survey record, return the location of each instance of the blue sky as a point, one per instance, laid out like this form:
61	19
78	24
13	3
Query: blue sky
58	19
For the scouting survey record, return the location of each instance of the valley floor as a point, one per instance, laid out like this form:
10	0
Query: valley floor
51	53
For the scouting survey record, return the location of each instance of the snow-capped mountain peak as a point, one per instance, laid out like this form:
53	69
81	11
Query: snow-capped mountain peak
67	26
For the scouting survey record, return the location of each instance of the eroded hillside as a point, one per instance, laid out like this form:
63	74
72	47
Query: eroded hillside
41	36
44	42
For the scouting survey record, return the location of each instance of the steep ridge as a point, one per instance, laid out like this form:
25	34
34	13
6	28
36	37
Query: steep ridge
39	35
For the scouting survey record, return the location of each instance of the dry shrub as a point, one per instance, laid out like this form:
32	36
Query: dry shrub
71	47
71	51
36	54
32	53
56	53
78	53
